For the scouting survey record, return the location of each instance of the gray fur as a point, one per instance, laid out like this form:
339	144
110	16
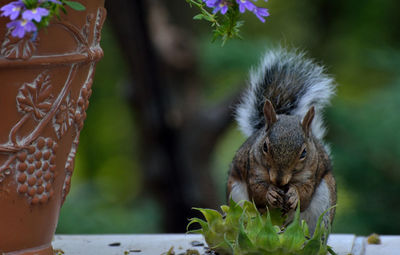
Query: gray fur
239	192
319	204
292	83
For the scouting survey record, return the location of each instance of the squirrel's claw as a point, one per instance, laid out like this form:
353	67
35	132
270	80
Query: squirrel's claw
274	197
292	198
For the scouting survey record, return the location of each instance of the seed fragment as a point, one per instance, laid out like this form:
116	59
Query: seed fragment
196	243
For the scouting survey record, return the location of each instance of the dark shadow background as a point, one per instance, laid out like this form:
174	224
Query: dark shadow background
160	135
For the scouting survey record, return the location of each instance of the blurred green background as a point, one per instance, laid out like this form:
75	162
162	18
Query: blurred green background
358	42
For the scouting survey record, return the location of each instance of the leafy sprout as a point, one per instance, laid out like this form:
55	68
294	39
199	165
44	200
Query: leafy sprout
242	230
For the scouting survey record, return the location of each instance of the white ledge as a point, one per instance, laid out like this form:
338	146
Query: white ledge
156	244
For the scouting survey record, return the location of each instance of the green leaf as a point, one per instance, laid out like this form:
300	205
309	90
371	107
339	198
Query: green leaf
268	238
250	208
225	208
209	18
227	247
232	202
317	244
198	17
233	214
214	239
293	237
244	242
276	216
212	216
75	5
331	251
46	5
195	231
253	219
306	231
203	224
312	247
320	227
29	4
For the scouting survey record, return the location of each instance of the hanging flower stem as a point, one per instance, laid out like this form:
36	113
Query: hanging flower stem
225	16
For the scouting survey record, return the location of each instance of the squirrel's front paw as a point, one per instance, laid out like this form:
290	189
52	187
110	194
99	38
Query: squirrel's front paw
292	198
275	197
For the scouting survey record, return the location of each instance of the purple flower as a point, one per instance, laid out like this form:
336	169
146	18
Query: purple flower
12	9
35	14
222	6
245	4
260	13
212	3
218	5
20	27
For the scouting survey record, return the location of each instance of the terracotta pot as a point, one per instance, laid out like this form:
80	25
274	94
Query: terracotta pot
45	85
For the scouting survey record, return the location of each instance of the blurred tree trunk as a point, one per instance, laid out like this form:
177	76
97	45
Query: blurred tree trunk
177	134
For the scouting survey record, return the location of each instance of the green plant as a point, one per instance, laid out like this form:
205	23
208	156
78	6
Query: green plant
225	16
243	230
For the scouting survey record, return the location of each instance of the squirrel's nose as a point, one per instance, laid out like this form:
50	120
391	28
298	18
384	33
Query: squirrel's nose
273	176
279	180
276	178
285	180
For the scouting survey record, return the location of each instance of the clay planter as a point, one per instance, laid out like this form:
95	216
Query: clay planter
45	85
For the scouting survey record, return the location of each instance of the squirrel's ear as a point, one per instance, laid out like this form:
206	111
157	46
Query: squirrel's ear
269	113
307	120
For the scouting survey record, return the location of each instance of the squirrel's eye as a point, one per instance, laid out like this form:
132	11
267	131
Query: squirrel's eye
303	154
265	147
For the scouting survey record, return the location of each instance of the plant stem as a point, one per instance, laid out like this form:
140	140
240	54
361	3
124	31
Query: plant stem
204	11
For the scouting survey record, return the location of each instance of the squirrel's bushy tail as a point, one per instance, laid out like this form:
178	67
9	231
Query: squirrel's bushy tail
292	83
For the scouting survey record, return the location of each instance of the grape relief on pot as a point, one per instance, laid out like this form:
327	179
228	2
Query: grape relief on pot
31	159
36	167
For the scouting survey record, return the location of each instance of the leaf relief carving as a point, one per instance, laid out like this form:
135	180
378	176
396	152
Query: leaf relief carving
18	48
86	28
36	97
84	33
101	16
64	117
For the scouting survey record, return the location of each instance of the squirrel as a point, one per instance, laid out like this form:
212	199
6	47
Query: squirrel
284	160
